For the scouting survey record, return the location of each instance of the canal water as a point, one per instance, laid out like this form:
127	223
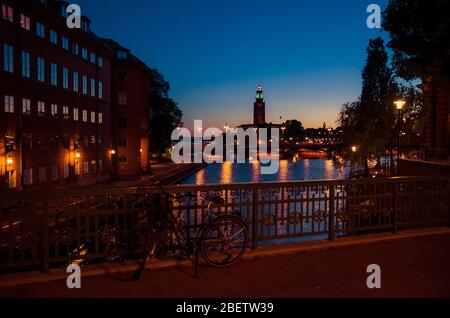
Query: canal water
307	169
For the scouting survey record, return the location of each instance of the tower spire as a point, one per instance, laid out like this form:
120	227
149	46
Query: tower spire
259	93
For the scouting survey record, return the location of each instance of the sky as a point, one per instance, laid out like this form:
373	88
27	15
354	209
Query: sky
307	55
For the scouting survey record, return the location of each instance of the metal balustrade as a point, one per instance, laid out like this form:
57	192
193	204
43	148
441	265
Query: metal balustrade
48	229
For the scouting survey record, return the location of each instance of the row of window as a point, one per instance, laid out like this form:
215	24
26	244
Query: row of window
8	66
50	141
8	14
54	111
79	168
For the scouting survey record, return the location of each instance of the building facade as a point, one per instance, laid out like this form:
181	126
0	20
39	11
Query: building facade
56	97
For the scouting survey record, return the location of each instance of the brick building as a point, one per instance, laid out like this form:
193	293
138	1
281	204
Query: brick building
55	91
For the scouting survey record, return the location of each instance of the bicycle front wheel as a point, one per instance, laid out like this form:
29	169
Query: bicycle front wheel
224	241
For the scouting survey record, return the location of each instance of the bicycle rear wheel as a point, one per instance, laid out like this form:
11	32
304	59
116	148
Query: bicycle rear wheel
224	241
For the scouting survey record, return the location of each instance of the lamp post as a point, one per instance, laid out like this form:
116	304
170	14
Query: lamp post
399	105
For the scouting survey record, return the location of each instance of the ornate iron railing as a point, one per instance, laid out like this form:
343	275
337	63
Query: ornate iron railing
44	229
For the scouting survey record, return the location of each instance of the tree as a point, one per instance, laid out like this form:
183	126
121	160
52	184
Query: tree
165	115
368	123
294	129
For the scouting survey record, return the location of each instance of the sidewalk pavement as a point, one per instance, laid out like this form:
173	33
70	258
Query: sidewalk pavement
413	264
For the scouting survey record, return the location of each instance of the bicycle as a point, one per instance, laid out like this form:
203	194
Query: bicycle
222	237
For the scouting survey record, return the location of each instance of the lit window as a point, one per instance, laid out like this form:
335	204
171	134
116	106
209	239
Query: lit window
40	30
8	58
9	104
100	89
85	88
53	37
100	118
65	112
75	81
84	53
26	106
41	108
54	110
75	114
85	116
66	170
77	168
28	176
54	74
25	22
26	70
65	43
93	117
42	176
122	98
93	87
10	142
7	13
65	78
100	62
41	69
86	167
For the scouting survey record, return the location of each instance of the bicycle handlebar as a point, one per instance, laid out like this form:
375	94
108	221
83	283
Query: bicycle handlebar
171	195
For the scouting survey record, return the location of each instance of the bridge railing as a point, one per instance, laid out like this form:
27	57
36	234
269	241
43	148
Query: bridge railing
45	229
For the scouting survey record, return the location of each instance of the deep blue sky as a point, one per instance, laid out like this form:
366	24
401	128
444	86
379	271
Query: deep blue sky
307	54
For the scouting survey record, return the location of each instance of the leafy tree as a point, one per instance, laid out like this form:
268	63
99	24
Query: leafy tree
294	129
165	115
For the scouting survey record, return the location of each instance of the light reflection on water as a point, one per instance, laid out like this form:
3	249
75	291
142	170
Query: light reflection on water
308	169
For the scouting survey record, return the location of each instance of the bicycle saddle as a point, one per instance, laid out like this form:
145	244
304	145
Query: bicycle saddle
217	199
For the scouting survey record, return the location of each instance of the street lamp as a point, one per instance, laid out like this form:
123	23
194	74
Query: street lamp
9	161
354	148
399	105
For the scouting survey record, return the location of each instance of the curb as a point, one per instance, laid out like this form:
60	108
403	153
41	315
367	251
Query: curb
17	279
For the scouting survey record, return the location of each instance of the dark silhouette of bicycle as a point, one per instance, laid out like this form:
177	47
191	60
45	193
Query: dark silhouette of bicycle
222	237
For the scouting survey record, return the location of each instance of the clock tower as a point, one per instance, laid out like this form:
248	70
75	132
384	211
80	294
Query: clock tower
259	108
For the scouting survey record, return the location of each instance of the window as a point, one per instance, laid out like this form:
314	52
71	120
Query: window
75	81
10	142
84	53
77	168
41	69
93	166
26	106
42	174
25	22
100	165
100	62
40	30
65	112
100	89
28	176
85	116
41	108
122	141
93	87
122	54
65	78
7	13
123	122
66	170
53	37
65	43
54	74
122	98
122	161
54	110
26	70
85	89
100	118
86	167
93	58
75	114
93	117
75	48
54	172
8	58
9	104
85	26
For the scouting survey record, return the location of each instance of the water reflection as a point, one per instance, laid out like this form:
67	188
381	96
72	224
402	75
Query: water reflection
226	173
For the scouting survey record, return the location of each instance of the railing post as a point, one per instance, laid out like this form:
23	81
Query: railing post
331	214
395	211
255	219
45	241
